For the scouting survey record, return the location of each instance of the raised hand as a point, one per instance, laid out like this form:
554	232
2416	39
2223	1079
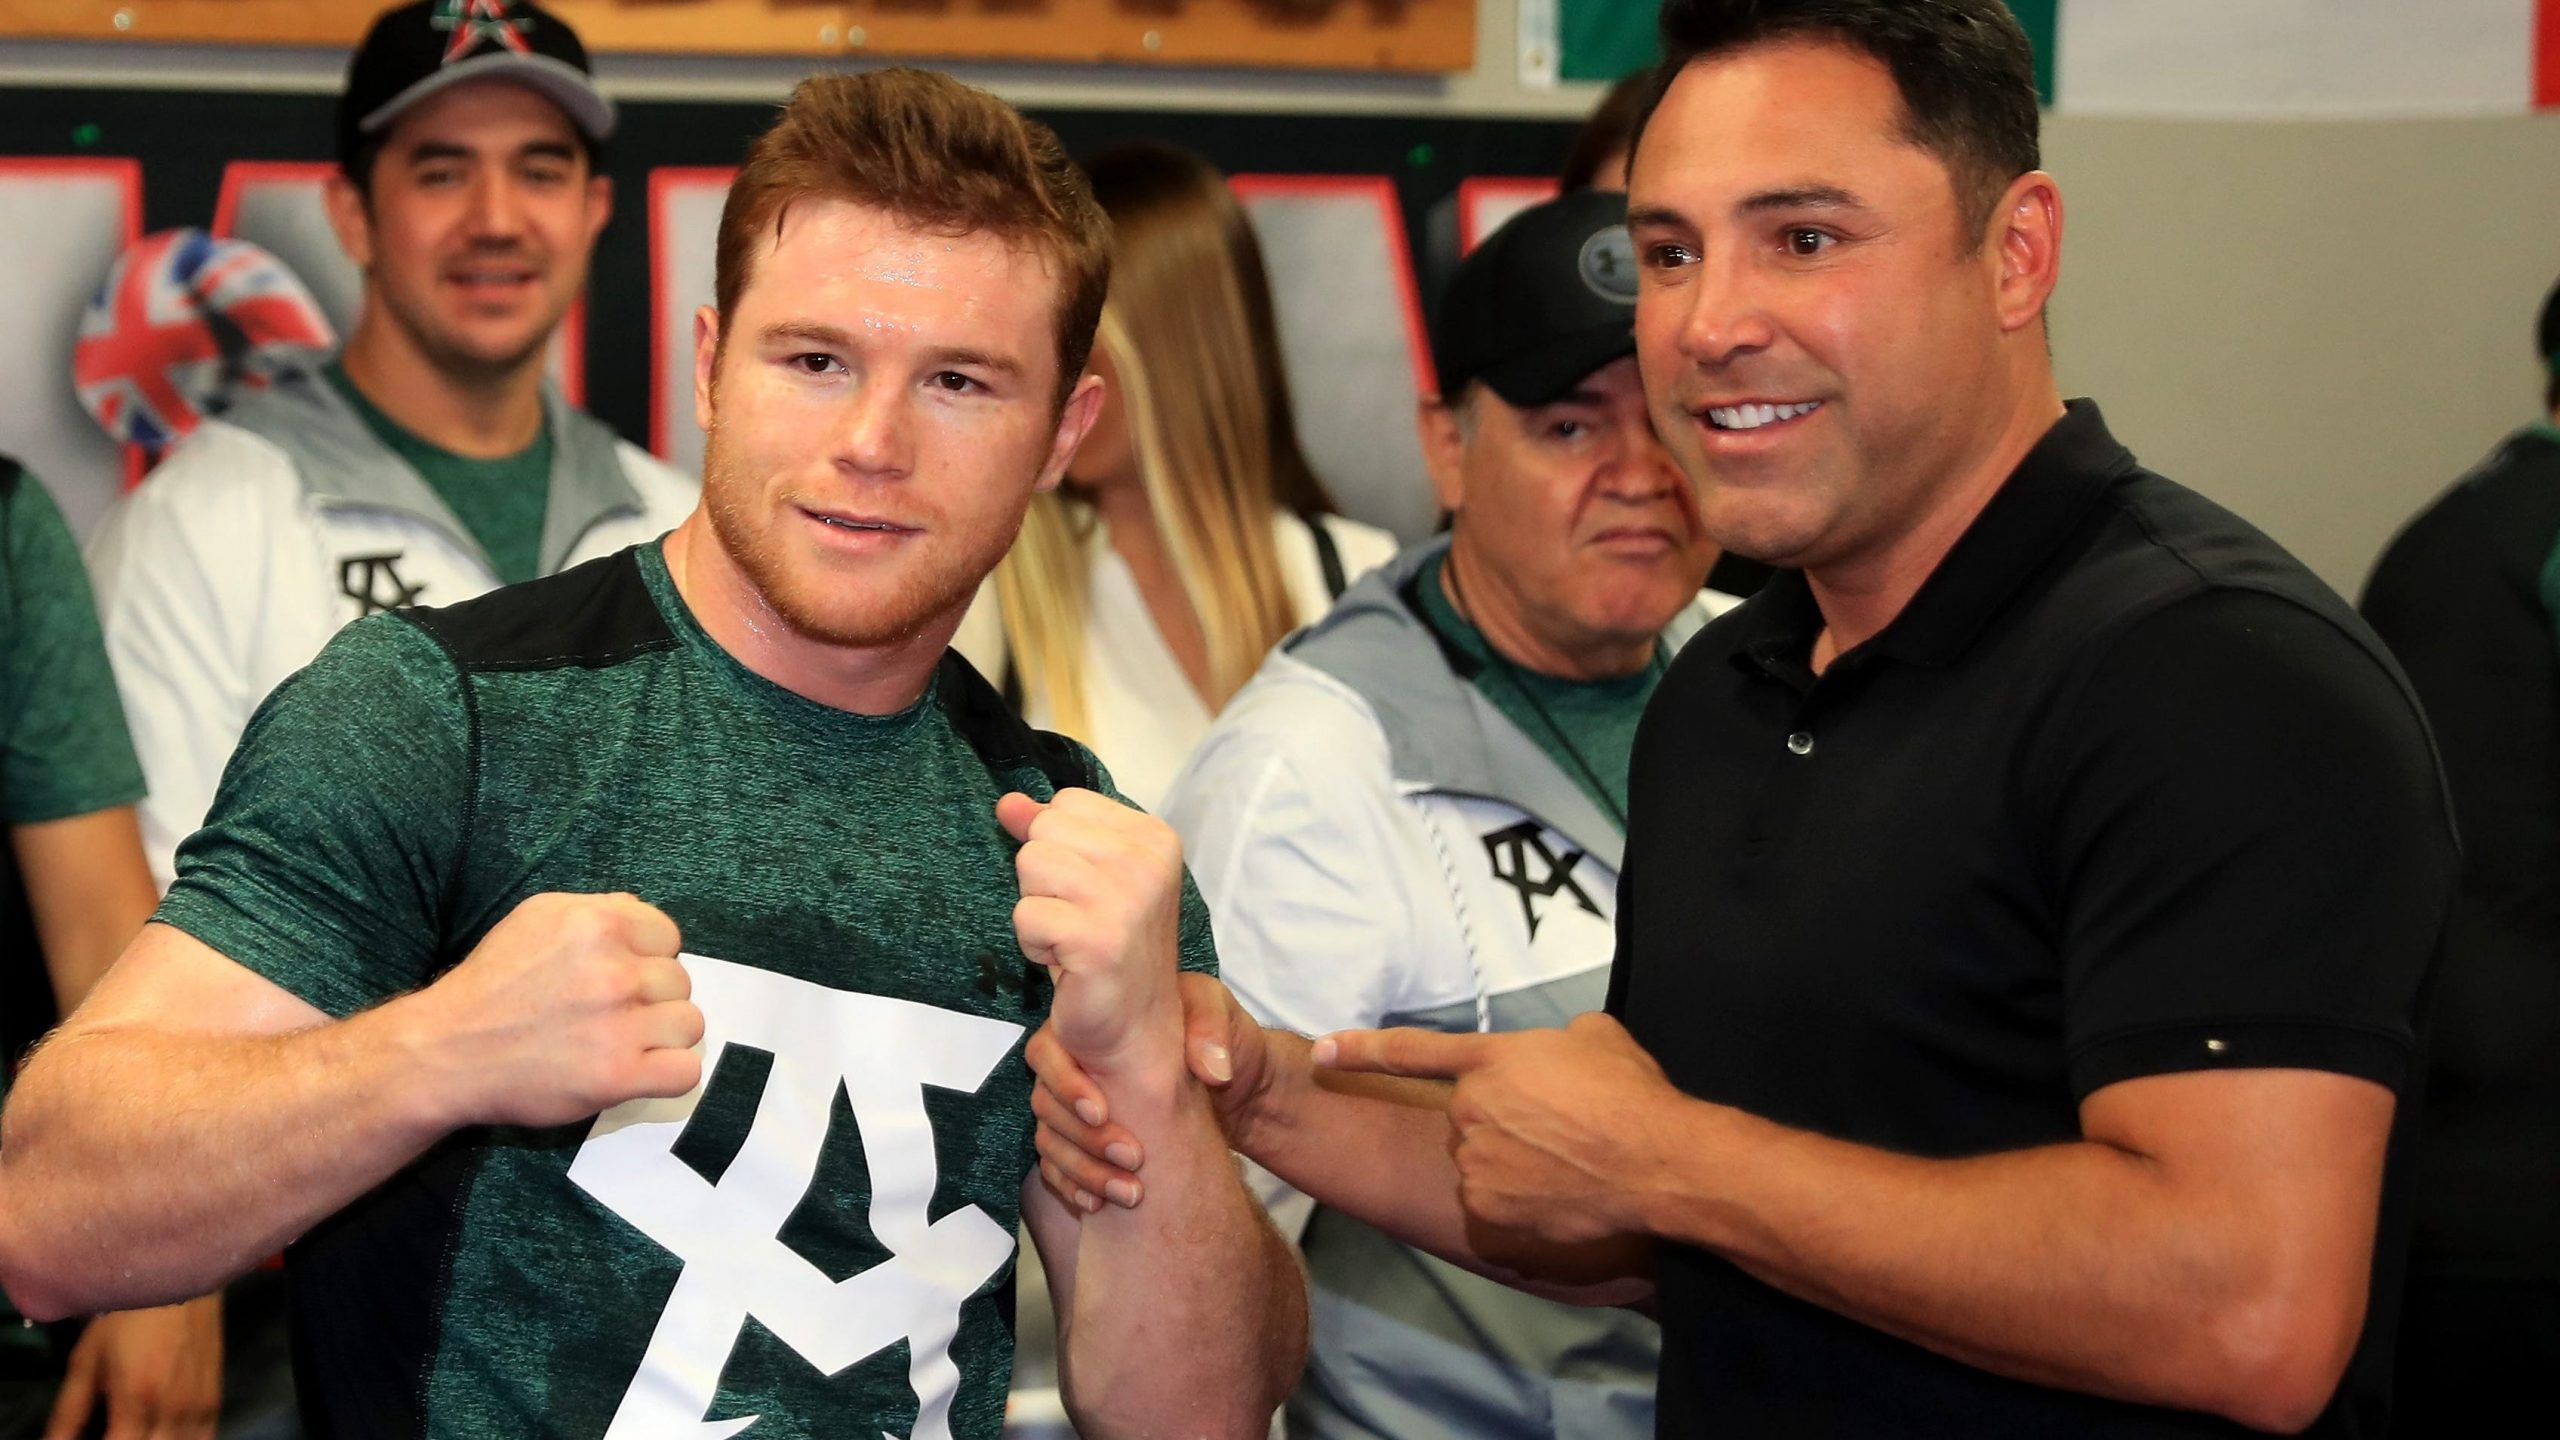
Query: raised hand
567	1007
1101	907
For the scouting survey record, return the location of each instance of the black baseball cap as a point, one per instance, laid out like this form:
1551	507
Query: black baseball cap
1543	302
418	50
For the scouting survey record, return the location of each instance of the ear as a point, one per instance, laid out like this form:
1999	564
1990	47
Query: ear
2026	235
1084	404
1444	450
706	359
599	206
348	218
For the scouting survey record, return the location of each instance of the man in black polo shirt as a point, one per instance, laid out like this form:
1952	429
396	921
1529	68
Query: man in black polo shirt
2469	598
2039	880
2029	896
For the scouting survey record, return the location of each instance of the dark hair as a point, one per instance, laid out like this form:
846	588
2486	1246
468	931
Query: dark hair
938	154
1611	128
2546	343
1967	74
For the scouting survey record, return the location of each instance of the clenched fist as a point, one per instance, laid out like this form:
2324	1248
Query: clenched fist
567	1007
1102	908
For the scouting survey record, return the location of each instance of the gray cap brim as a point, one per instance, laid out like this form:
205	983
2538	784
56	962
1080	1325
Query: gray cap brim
560	82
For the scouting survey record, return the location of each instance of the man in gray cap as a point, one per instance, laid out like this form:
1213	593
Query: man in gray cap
1413	815
435	462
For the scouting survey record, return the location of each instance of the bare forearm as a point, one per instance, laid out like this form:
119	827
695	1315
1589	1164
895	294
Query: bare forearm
2077	1265
1189	1312
1377	1148
140	1167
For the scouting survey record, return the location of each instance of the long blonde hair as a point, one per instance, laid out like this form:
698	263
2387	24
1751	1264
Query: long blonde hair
1189	331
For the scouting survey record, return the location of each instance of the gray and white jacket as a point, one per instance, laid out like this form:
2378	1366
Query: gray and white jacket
1380	845
270	527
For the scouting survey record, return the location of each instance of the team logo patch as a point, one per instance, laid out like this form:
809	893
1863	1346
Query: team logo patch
374	583
729	1232
1522	860
473	22
182	324
1608	265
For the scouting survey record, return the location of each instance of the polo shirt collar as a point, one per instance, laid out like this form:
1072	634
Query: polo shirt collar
2035	510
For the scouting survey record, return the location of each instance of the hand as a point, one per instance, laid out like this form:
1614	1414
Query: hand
567	1007
1085	1157
158	1372
1557	1129
1101	907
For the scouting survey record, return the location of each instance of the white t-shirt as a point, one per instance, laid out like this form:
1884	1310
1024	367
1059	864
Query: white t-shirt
1142	716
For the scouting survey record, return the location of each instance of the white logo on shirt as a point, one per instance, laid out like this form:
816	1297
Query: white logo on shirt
884	1052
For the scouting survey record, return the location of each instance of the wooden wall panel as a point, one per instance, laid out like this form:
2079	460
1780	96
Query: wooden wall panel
1401	35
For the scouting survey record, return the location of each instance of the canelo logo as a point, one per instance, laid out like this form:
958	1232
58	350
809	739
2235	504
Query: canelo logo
736	1266
473	21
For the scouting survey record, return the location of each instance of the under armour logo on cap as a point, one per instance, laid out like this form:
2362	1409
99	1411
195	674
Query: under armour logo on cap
473	21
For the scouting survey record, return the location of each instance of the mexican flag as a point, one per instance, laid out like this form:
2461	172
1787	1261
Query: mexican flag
2222	58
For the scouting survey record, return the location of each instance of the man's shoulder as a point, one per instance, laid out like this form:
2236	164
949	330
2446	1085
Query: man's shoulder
218	466
2161	544
1292	719
1295	709
588	616
664	490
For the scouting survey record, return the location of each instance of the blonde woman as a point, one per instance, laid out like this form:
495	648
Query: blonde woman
1190	535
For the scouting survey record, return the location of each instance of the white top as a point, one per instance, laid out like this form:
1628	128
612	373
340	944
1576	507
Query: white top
1142	716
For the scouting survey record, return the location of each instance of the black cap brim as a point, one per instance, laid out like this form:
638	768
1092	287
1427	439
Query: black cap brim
1547	371
561	83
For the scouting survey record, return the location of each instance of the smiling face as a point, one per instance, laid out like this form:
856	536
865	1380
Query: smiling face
1574	512
475	227
878	412
1829	348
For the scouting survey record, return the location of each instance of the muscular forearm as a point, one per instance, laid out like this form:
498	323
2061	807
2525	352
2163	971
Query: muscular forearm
1377	1148
2078	1265
143	1166
1189	1312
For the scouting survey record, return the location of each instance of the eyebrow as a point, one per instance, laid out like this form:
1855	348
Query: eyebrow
834	337
428	151
1802	197
980	359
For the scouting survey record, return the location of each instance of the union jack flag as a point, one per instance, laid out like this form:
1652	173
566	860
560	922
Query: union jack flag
181	323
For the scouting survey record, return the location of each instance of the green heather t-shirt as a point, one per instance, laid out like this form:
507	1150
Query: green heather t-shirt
827	1235
1588	727
66	750
501	501
63	746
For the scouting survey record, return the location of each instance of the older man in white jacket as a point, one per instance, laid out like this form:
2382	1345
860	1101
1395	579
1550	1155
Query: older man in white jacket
1414	814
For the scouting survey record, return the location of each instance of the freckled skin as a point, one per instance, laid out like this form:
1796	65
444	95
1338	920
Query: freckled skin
881	375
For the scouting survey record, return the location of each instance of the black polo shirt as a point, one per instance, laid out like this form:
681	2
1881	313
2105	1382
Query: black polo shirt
2124	790
2466	598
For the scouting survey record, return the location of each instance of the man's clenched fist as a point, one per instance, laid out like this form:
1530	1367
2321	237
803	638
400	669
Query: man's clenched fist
1102	908
567	1007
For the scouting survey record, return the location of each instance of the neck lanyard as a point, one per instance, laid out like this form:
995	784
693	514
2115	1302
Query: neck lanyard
1511	676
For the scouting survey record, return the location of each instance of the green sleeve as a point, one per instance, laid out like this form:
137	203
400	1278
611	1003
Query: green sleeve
340	821
66	749
1198	946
